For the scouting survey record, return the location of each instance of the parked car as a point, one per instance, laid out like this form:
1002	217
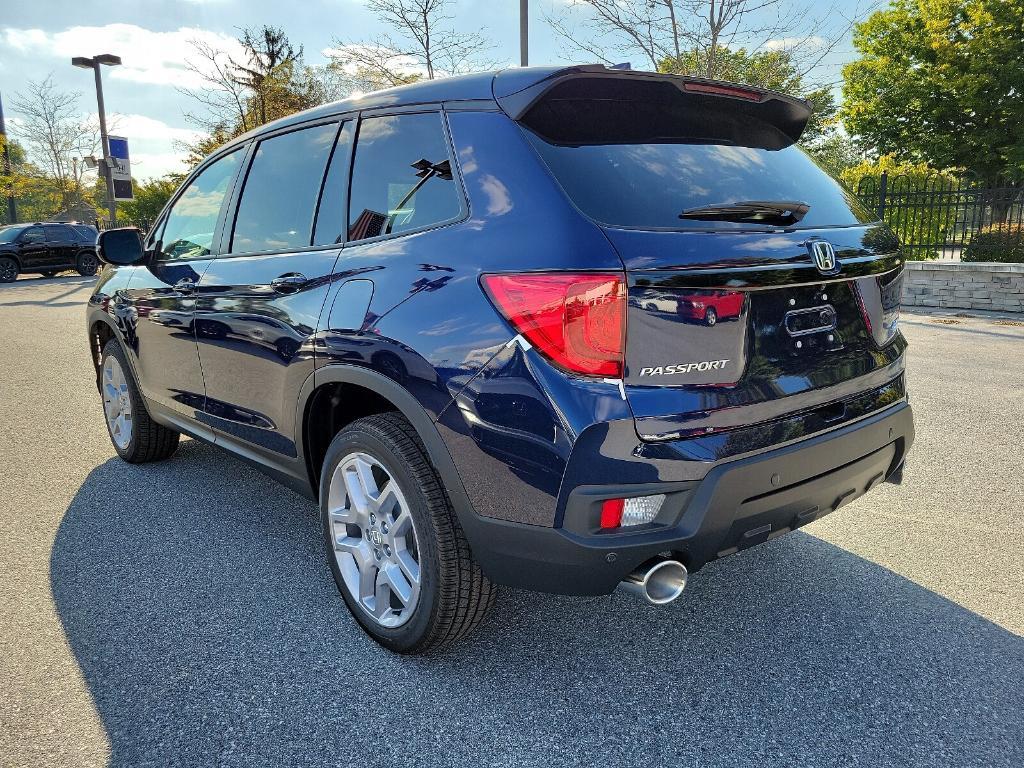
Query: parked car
479	391
710	306
46	249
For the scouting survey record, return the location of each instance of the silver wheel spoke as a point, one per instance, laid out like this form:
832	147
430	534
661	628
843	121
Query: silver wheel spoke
399	585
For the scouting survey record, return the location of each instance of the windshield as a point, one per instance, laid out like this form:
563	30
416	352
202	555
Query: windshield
641	154
650	185
10	234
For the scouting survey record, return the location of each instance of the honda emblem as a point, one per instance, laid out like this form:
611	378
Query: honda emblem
823	254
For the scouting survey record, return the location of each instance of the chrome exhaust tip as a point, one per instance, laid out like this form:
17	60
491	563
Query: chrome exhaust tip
659	583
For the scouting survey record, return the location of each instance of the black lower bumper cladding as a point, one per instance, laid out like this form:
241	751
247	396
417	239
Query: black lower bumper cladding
737	505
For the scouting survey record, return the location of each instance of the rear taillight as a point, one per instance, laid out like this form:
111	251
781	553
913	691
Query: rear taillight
576	319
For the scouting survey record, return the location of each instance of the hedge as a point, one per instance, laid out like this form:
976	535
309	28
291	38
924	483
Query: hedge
996	242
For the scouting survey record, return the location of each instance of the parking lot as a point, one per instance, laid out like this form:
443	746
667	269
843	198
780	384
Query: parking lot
182	613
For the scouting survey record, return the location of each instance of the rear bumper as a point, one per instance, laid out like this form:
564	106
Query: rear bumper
736	505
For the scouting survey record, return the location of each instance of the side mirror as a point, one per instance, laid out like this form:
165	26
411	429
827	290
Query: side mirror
121	247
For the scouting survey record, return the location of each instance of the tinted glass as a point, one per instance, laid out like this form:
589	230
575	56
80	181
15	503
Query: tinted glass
85	233
59	234
33	235
330	218
401	176
188	231
640	163
279	198
10	234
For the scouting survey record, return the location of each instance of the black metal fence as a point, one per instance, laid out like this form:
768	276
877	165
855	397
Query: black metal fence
940	216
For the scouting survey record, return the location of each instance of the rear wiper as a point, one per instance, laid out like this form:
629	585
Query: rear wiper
754	211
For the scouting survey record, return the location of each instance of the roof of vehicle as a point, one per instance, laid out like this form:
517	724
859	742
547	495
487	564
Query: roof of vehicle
489	86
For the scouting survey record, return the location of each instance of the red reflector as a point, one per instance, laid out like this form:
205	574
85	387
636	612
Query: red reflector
723	90
611	513
576	319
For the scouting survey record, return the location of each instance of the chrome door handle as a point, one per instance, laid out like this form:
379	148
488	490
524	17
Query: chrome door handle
185	285
288	282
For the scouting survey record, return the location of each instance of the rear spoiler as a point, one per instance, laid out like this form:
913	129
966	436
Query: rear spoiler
517	95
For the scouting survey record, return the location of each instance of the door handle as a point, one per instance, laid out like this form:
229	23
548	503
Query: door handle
290	282
185	285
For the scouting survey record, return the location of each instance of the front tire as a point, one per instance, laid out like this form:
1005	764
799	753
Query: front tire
398	554
135	436
86	264
8	270
710	317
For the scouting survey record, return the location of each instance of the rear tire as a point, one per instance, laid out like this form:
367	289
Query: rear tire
435	592
137	438
8	270
86	264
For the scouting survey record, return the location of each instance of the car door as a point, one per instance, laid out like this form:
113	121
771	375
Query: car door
259	301
33	250
159	302
62	246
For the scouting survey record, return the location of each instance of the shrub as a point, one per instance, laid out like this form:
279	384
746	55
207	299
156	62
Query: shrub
996	242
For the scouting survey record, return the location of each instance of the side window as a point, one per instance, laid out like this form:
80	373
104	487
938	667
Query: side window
57	234
192	221
401	177
330	217
33	235
279	198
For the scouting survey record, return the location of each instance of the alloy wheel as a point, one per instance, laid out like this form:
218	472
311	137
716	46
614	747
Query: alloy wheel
374	538
117	403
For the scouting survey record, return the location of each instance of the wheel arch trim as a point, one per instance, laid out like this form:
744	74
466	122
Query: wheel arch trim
407	404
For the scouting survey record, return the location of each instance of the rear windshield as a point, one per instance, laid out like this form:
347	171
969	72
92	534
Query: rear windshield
640	163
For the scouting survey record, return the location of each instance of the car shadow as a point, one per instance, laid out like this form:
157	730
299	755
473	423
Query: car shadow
196	598
10	296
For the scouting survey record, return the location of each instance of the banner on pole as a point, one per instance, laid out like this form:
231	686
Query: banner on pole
121	173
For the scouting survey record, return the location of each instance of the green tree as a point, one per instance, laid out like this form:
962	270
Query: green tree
775	70
941	81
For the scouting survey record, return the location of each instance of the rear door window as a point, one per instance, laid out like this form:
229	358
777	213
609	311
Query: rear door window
56	233
278	201
402	177
651	153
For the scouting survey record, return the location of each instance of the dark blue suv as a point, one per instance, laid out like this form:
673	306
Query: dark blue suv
568	329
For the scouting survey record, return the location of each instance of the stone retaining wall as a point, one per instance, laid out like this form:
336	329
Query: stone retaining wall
966	285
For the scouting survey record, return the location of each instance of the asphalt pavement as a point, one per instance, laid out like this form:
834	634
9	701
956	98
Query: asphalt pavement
182	613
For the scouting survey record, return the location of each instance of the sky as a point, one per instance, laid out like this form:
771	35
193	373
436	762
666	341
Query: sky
39	37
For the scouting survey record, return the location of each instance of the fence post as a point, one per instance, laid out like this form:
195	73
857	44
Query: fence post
883	186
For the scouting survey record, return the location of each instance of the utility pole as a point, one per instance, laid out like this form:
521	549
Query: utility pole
12	207
94	64
524	33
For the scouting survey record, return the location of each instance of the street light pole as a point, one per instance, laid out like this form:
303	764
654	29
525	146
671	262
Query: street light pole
94	64
524	33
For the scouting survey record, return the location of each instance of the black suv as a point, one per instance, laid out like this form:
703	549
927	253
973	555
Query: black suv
566	329
46	249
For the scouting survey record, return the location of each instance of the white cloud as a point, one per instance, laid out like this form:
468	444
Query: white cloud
144	128
789	43
151	57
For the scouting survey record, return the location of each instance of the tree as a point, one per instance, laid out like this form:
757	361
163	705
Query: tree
423	41
699	29
941	81
266	81
55	136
